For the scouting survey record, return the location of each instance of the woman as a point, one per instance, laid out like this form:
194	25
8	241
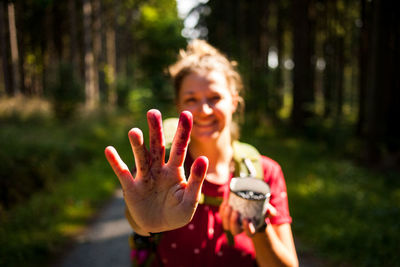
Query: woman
160	199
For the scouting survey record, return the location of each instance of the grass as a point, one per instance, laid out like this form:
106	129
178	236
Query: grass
343	212
42	226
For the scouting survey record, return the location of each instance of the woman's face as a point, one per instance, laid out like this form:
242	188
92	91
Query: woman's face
207	96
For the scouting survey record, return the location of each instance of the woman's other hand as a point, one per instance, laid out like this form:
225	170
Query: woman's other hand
232	222
159	198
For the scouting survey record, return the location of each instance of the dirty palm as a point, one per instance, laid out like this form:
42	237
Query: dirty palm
158	195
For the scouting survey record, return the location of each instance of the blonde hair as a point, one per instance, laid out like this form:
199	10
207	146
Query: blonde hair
200	56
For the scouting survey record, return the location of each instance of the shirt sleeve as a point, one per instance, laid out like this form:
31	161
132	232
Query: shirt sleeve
273	175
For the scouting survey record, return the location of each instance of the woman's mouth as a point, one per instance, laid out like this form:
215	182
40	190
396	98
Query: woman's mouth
204	124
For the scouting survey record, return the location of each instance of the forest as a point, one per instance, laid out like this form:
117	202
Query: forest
322	95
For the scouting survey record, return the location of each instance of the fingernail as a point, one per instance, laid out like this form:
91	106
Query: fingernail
252	228
185	119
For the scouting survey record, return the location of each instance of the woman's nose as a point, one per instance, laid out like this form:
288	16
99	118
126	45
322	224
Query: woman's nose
205	107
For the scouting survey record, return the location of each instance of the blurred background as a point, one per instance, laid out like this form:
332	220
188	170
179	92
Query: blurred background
322	98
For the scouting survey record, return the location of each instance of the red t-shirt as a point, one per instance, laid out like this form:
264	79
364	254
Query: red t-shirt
203	242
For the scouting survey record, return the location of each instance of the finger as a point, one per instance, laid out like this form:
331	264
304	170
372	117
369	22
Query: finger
196	178
181	139
157	144
234	223
119	167
225	216
222	207
139	151
248	227
271	210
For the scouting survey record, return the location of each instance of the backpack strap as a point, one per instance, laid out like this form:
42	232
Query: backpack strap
247	160
247	164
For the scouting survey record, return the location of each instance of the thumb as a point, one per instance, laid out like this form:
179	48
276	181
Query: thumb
272	210
196	178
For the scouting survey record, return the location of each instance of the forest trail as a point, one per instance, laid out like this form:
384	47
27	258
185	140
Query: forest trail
105	243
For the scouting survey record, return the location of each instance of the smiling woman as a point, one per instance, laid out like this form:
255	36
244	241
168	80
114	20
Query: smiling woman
197	226
202	69
212	106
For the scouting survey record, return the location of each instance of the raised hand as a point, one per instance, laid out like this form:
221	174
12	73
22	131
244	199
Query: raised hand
159	198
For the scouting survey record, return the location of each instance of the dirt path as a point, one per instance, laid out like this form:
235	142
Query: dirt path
106	242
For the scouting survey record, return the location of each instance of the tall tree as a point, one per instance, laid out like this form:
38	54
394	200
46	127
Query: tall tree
382	99
73	37
363	63
4	50
98	47
334	57
280	31
91	76
14	49
303	73
111	58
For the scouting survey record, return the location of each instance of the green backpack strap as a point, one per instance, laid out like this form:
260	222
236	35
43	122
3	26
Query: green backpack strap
247	160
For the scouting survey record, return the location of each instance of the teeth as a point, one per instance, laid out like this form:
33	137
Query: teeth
204	123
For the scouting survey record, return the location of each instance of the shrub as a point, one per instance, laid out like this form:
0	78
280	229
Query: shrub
66	92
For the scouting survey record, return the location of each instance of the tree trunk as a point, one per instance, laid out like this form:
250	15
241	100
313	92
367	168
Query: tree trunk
98	47
363	64
91	80
111	54
73	44
280	29
383	85
303	84
340	64
4	52
14	49
329	77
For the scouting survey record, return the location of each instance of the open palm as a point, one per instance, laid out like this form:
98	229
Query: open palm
159	198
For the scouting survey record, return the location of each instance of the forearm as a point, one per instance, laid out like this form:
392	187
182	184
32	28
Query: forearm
271	250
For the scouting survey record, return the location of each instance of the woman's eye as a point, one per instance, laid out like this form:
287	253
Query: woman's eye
215	98
190	100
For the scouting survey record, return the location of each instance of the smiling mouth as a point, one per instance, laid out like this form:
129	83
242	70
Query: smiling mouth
204	124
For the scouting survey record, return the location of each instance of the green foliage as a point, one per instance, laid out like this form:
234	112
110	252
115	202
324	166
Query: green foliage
40	228
124	86
54	176
344	212
36	152
140	99
158	35
31	161
66	92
